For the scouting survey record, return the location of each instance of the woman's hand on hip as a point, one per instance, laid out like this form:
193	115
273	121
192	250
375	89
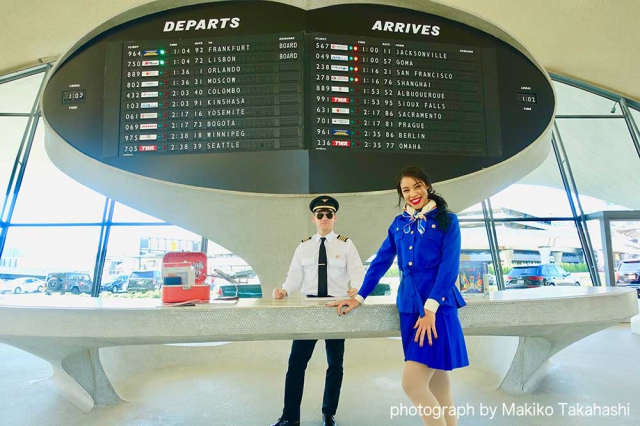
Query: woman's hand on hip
426	325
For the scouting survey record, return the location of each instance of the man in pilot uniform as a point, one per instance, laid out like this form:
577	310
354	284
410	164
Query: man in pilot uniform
322	266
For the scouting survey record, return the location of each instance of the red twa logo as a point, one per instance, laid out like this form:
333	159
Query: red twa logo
341	143
339	100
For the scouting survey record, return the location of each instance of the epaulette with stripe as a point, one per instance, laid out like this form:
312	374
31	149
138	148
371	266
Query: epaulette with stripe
306	239
343	238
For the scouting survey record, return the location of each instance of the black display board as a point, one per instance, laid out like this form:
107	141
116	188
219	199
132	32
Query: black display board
393	96
203	96
336	99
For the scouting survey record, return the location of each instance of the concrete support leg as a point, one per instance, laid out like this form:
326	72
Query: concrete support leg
78	375
531	360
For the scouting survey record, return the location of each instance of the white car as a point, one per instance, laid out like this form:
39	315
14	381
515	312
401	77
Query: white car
22	285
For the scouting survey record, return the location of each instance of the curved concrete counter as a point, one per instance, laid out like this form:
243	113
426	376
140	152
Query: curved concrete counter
68	331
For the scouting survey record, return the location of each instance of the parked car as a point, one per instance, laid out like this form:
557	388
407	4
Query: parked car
115	283
547	274
147	280
22	285
628	274
74	282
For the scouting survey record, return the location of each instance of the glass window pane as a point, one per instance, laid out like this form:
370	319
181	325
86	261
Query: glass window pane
625	243
593	228
539	194
19	95
473	212
625	236
124	213
11	132
228	274
49	196
476	273
635	114
574	101
38	251
222	259
137	251
529	201
604	163
390	282
556	243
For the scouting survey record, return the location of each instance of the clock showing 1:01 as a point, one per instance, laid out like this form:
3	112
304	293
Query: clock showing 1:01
73	96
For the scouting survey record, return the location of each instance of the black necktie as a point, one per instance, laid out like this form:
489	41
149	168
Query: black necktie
322	270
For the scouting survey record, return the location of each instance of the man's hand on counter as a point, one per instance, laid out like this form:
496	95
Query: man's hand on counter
279	293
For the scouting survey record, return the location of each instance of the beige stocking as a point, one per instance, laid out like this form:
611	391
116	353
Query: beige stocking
441	388
415	382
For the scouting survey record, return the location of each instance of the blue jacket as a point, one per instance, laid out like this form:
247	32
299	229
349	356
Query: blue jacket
428	262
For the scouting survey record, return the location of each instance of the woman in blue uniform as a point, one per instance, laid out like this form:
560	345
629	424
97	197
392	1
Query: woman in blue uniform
426	239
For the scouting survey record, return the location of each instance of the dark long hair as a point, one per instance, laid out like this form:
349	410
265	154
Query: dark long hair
416	172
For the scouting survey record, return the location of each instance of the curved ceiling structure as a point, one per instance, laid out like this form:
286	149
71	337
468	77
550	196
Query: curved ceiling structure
591	40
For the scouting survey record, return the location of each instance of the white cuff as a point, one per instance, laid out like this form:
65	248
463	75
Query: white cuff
359	299
431	305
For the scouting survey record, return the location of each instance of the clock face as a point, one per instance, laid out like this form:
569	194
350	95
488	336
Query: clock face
336	99
73	96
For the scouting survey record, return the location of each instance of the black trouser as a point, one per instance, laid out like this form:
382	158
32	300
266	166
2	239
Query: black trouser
301	351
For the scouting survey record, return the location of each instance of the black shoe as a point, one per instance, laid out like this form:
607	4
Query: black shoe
282	422
328	420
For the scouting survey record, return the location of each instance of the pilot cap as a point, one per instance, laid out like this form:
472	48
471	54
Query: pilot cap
324	202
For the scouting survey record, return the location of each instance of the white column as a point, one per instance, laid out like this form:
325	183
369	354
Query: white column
545	254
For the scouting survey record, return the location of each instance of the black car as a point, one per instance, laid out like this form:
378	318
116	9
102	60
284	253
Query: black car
628	274
147	280
73	282
546	274
115	284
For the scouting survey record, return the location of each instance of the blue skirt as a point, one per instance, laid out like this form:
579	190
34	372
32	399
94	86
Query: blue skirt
449	350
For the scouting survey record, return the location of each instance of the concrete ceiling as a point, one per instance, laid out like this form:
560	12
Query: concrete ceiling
594	41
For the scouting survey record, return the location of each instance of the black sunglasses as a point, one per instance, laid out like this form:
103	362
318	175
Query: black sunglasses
321	215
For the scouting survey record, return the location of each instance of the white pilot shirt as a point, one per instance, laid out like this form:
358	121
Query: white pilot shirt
344	265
